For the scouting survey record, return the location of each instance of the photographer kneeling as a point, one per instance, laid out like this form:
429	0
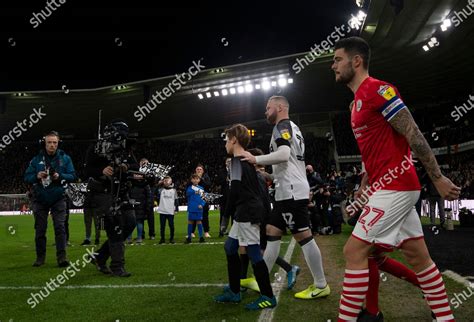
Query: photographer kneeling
107	164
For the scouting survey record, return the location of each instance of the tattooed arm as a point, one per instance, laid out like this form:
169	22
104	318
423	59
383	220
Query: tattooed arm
404	124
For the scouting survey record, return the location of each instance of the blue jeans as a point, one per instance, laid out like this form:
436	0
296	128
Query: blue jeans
139	230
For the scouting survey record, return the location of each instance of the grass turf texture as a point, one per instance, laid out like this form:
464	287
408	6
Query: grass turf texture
173	265
168	265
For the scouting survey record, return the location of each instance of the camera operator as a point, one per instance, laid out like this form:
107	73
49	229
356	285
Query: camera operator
107	164
49	172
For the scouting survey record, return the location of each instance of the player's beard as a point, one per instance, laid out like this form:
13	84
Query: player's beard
346	76
271	119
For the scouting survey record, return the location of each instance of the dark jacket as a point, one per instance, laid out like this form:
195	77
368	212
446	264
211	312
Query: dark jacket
60	163
141	192
94	166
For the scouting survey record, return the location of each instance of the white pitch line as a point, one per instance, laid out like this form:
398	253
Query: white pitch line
177	285
267	315
458	278
191	244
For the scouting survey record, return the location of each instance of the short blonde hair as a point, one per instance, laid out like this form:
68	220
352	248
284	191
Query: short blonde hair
280	99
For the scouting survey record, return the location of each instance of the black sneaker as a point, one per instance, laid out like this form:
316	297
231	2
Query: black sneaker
86	242
162	241
365	316
38	262
97	242
202	240
172	241
63	263
104	269
121	273
187	241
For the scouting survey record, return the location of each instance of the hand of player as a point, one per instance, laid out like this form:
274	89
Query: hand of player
447	189
55	176
123	167
358	194
42	175
108	171
249	157
200	207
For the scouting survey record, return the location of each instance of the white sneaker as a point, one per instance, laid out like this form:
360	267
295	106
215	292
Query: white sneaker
207	235
192	235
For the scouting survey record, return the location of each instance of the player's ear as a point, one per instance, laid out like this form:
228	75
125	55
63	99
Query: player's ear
357	61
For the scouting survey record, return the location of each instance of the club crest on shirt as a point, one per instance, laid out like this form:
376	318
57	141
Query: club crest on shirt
387	92
285	134
358	105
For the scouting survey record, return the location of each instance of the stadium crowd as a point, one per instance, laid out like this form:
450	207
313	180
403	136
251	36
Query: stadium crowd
186	154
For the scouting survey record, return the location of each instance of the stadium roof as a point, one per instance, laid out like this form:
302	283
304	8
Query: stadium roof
425	78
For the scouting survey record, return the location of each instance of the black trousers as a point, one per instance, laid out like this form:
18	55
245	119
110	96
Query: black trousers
91	214
151	223
58	213
163	219
118	227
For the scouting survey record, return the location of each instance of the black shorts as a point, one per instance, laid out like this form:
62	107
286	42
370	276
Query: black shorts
292	214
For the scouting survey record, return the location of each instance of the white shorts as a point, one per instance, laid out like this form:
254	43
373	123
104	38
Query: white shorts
245	233
389	219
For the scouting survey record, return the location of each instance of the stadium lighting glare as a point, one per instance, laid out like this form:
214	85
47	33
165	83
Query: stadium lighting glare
446	24
208	95
282	82
426	48
257	86
435	41
290	80
274	84
232	91
248	88
200	96
224	92
431	44
240	89
266	85
360	3
216	93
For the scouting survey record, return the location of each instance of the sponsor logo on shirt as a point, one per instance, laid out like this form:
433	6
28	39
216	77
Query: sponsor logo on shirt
285	134
387	92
